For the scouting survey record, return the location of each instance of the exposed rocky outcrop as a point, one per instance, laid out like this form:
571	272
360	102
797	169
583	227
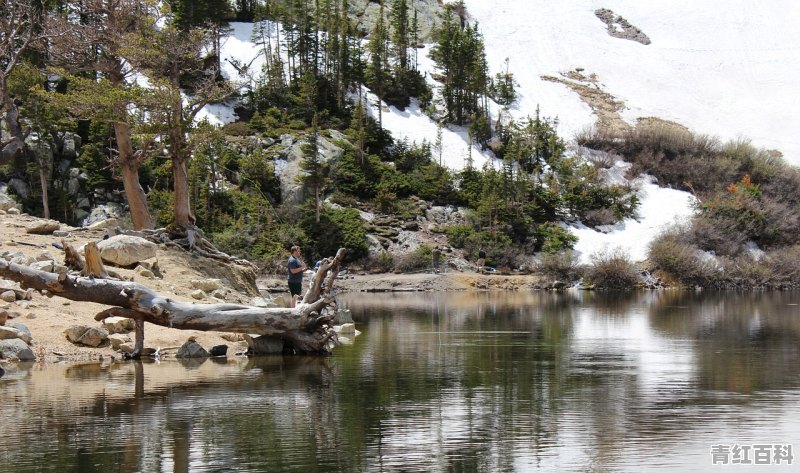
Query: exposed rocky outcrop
619	27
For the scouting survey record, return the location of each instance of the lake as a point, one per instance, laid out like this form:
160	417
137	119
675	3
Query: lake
472	381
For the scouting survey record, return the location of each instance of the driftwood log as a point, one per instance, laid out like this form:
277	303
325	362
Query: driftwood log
305	328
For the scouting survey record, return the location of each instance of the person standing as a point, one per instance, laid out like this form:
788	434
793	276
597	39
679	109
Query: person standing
481	259
296	268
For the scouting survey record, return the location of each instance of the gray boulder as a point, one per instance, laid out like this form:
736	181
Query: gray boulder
191	349
124	250
264	345
89	336
16	349
42	227
23	332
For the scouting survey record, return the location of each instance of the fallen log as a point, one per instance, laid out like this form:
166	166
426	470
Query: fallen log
304	328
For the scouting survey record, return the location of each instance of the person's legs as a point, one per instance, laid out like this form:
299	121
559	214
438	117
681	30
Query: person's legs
295	288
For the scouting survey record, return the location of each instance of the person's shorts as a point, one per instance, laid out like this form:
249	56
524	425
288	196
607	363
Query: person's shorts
295	288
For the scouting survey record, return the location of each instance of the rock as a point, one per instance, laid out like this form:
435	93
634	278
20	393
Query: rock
8	296
8	333
6	202
103	212
264	345
72	145
61	233
206	285
125	347
20	188
3	316
343	316
152	266
143	272
347	328
89	336
45	257
23	332
219	350
16	349
119	324
191	349
124	250
118	339
13	211
42	227
232	337
46	266
106	223
198	294
262	302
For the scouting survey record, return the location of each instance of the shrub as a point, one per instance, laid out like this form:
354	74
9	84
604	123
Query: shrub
744	271
237	129
563	266
552	238
384	262
784	265
457	235
671	253
612	270
419	259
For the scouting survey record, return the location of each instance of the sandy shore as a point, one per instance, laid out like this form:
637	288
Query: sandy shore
48	317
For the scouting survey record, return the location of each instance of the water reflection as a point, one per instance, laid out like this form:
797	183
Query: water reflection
439	382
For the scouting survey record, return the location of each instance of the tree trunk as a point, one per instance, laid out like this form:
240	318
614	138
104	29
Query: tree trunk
43	184
305	328
129	164
16	138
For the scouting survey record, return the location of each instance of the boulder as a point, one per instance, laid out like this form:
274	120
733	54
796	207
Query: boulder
13	211
103	212
259	301
8	333
3	316
6	202
89	336
219	350
46	266
347	329
191	349
264	345
119	324
8	296
42	227
16	349
124	250
23	332
343	316
198	294
118	339
103	224
143	272
206	285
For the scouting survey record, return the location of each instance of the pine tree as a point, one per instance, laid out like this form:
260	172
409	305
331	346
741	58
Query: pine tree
400	33
377	73
312	164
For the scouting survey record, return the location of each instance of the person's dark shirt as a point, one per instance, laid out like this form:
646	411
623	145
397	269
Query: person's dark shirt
295	263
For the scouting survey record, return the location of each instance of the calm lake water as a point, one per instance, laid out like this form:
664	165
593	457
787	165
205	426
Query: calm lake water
445	382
